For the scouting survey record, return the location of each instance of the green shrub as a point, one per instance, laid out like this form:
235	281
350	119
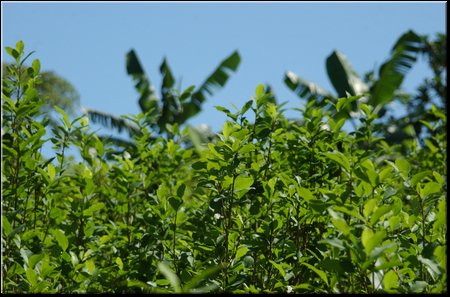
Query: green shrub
271	206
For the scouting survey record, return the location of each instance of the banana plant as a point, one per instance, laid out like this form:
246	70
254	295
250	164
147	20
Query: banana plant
347	82
172	106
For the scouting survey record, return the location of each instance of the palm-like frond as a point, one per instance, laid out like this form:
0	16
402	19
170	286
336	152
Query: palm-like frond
147	98
306	89
343	77
403	56
113	122
216	80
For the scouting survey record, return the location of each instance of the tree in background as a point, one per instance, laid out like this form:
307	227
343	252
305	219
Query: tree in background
56	91
172	107
382	90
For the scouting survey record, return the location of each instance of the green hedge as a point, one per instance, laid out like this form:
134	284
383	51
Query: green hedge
271	206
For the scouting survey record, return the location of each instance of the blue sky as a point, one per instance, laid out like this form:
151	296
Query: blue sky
86	43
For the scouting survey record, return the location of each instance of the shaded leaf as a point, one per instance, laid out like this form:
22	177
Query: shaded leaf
392	72
343	77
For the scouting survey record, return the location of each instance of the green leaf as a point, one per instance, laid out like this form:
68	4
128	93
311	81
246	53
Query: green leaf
31	276
93	208
20	46
259	91
51	171
305	193
64	116
393	71
341	225
379	212
170	276
36	66
147	99
243	183
429	189
439	178
242	251
119	263
249	147
9	50
180	191
334	242
222	109
227	129
418	286
339	158
6	226
440	253
343	102
279	267
61	238
248	261
186	93
320	273
390	280
216	80
246	107
432	267
113	122
369	206
90	266
175	203
371	240
403	165
343	77
200	277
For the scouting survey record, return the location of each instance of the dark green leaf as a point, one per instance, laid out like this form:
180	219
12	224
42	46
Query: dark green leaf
343	77
393	71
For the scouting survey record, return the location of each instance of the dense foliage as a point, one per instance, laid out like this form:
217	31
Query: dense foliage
276	205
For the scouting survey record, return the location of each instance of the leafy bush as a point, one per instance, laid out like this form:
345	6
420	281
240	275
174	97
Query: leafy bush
272	206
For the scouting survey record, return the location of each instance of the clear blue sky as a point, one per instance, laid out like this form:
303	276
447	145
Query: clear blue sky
86	43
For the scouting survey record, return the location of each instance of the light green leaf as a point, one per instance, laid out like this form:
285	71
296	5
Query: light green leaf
36	66
31	276
305	193
170	276
341	225
20	46
6	226
390	280
90	266
279	267
65	117
369	206
259	91
403	165
119	263
242	251
61	238
320	273
438	178
94	207
227	129
429	189
249	147
243	183
371	240
51	171
440	253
